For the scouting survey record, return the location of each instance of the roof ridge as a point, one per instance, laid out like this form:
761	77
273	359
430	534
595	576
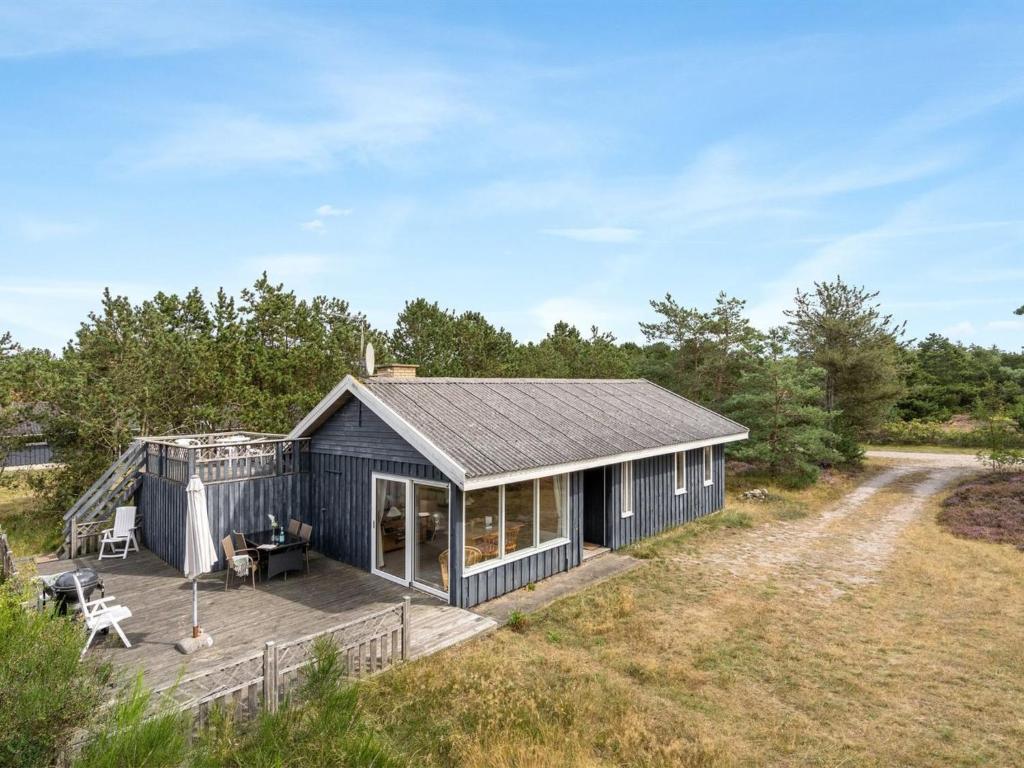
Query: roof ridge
487	380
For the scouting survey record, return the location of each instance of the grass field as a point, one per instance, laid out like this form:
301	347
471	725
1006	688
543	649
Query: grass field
29	528
676	665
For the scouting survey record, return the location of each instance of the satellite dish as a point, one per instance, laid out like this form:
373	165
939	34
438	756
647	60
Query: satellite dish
370	359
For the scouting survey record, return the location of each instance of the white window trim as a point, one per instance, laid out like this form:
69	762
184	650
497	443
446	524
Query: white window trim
503	558
706	465
675	468
626	491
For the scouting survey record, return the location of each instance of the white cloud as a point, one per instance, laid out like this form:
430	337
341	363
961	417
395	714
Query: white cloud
1005	325
370	118
296	266
316	225
596	234
46	312
958	331
581	312
38	229
135	28
328	211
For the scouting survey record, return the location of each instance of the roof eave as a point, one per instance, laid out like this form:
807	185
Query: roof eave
489	481
352	386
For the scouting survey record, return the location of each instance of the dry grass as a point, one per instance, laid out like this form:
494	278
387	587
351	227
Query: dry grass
30	529
923	449
680	665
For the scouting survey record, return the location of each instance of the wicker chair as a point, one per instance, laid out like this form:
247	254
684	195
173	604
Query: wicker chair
230	553
473	556
293	526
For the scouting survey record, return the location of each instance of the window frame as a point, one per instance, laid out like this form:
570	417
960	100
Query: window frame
503	557
676	458
709	465
626	489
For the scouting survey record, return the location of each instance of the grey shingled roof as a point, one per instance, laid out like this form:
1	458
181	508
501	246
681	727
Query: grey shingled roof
495	426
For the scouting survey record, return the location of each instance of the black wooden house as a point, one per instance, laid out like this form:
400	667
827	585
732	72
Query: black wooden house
463	488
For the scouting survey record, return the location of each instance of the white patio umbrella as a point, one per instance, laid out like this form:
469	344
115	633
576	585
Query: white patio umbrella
200	555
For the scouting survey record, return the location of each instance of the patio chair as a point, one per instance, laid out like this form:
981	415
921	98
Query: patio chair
123	533
241	562
305	533
293	526
99	615
473	556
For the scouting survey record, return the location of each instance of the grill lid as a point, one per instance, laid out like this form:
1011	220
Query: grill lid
65	583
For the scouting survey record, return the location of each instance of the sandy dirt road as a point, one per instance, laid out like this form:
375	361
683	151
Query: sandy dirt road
848	544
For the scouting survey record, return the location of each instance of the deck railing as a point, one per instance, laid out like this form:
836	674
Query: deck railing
365	646
8	568
224	462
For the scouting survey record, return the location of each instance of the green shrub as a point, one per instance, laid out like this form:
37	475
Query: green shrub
134	737
1001	432
518	621
45	692
326	728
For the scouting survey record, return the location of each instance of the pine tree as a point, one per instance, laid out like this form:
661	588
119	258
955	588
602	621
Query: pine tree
840	329
702	354
779	400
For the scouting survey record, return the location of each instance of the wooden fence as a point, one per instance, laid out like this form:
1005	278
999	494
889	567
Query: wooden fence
84	537
365	646
219	463
8	569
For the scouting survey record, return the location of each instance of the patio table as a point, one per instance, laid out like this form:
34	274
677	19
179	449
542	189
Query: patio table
279	557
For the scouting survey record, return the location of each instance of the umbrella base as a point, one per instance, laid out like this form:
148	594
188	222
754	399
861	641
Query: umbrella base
192	644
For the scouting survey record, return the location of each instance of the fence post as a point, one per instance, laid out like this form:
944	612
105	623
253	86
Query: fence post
270	676
191	463
74	538
406	601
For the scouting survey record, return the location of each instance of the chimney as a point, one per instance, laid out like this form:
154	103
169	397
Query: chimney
396	371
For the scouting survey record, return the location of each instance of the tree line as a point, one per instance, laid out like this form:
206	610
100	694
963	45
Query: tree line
811	390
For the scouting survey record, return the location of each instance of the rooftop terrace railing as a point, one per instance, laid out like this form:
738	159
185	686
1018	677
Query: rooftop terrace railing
214	461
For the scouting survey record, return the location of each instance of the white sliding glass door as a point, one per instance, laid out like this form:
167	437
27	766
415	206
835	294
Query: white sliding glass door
410	532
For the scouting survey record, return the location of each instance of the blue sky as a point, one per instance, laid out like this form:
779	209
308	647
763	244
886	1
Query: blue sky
531	160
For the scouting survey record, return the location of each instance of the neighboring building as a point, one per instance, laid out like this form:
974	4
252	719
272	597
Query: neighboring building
33	449
395	473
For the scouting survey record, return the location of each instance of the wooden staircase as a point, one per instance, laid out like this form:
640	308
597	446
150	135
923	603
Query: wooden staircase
94	509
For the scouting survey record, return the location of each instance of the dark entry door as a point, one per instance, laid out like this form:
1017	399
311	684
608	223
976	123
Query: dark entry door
593	506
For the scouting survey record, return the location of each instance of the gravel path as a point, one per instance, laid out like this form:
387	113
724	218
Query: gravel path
849	543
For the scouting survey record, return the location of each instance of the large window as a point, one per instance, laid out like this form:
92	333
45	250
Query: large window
680	462
553	499
520	516
511	521
709	466
482	521
626	488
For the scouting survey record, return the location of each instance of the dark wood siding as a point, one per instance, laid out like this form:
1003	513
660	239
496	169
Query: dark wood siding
354	443
340	498
355	430
493	582
29	454
656	506
163	506
241	505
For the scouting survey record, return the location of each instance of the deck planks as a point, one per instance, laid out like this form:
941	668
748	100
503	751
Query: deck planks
241	620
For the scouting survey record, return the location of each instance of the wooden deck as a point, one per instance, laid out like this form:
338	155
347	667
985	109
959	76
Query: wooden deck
241	620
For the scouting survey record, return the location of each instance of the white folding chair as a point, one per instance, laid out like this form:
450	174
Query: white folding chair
123	532
98	615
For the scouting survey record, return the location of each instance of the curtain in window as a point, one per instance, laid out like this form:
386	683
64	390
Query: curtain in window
561	486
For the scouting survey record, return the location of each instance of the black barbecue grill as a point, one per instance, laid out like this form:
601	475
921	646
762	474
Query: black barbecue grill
62	589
